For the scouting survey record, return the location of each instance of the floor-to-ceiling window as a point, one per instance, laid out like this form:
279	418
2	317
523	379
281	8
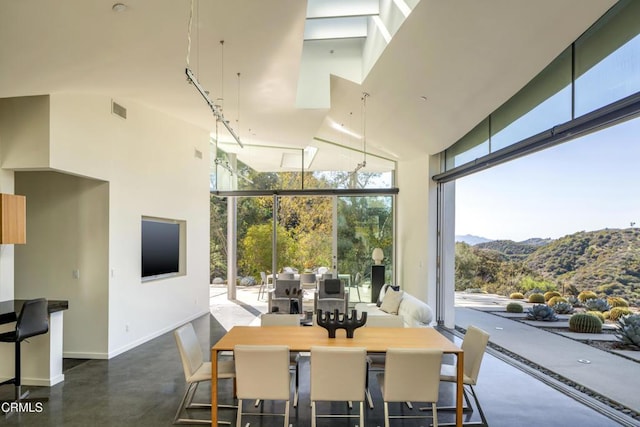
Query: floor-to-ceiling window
335	232
563	219
592	85
364	223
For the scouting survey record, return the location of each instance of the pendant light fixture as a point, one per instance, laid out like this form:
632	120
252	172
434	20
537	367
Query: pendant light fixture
363	164
191	78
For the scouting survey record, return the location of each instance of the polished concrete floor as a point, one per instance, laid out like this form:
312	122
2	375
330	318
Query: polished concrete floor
143	387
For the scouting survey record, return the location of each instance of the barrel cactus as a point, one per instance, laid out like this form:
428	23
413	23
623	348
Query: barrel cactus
597	314
617	312
617	302
597	304
516	295
585	323
555	299
514	307
550	294
629	331
562	308
537	298
585	295
542	312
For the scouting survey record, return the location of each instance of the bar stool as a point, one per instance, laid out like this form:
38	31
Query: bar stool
33	320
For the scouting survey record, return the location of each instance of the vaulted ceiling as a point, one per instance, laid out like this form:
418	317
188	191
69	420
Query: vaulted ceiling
448	65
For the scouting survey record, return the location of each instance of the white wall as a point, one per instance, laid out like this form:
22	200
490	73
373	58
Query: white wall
416	238
149	163
320	59
67	231
24	128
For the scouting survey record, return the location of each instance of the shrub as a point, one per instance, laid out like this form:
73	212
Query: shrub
597	304
629	330
542	312
537	298
248	281
514	307
562	308
617	312
585	295
550	294
528	283
585	323
572	290
555	299
597	314
516	295
617	302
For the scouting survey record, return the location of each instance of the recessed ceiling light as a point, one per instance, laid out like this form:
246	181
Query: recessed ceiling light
119	7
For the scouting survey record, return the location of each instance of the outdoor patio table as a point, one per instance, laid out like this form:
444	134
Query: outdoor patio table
375	340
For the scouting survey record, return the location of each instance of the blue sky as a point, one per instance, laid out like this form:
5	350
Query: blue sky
587	184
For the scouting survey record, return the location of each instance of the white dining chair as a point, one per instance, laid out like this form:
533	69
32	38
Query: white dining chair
196	370
376	361
262	372
275	319
337	375
473	345
411	375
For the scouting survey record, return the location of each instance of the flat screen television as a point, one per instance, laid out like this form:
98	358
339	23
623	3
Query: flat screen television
160	248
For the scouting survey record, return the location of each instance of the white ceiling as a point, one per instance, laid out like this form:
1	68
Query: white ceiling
465	56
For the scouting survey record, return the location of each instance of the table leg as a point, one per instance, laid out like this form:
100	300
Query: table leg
214	388
459	388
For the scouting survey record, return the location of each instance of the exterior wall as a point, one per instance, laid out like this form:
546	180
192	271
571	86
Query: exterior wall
142	166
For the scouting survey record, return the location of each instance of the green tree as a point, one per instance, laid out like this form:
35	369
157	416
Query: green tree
218	237
466	267
257	249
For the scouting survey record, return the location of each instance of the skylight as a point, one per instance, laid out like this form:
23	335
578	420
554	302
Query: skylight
344	38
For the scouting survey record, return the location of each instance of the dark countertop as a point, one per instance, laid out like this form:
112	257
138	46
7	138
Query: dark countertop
9	309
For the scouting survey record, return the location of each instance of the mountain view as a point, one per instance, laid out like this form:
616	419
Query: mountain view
605	261
472	240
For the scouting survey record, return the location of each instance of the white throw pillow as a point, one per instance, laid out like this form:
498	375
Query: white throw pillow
391	301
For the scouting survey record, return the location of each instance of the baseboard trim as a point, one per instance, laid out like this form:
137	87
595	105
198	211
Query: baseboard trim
43	382
155	334
81	355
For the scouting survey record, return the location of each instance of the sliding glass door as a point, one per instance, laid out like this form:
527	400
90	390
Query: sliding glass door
313	234
363	224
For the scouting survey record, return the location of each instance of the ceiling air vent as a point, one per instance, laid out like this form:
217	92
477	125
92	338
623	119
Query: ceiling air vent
118	110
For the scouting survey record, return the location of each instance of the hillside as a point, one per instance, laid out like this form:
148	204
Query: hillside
606	261
536	241
513	250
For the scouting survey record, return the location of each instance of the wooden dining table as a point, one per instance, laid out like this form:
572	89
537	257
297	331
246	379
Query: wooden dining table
375	340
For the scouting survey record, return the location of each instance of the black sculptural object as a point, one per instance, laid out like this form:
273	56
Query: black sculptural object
293	293
332	321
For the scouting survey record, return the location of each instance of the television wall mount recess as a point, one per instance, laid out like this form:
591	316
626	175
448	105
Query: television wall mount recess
161	248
